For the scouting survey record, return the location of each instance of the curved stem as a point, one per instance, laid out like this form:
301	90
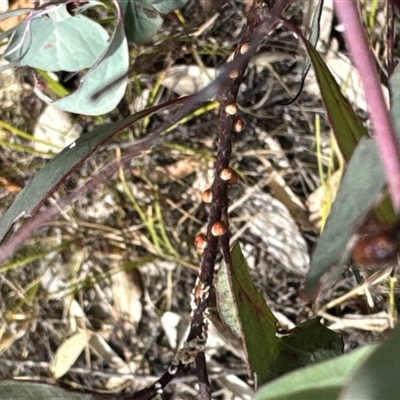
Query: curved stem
362	58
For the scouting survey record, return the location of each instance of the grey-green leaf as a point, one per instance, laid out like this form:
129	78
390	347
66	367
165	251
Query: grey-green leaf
360	187
109	77
378	377
395	90
323	380
58	43
141	20
226	305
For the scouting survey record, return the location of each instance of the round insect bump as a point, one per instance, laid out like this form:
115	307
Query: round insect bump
238	125
231	109
229	175
226	174
206	196
234	74
218	229
200	241
244	48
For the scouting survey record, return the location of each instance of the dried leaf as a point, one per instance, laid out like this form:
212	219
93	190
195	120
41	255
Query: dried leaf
68	353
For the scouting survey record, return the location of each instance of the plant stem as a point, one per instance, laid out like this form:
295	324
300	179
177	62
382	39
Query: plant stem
362	57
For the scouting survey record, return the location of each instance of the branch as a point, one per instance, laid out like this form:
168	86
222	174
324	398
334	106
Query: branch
260	22
202	375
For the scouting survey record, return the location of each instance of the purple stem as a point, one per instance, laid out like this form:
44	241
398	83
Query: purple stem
363	60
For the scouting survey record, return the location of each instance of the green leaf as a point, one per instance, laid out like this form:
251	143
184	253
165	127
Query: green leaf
359	189
346	124
141	20
18	389
166	6
378	377
362	184
58	43
257	322
308	343
14	13
243	309
323	380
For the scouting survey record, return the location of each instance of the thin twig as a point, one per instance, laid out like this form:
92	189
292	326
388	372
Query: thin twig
202	377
